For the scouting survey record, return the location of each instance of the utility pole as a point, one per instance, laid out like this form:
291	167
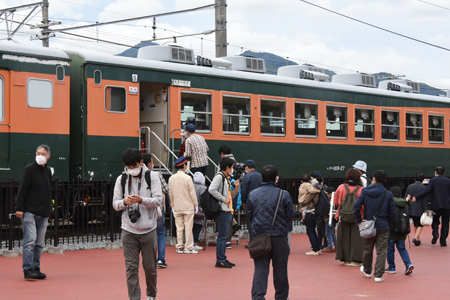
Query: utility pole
221	28
45	40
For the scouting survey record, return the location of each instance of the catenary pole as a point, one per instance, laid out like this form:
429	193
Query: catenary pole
45	40
221	28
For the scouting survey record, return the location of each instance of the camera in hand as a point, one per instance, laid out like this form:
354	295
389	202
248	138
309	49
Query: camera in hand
134	215
239	171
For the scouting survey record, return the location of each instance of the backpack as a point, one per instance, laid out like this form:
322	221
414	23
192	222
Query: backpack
322	207
209	204
400	224
346	211
147	179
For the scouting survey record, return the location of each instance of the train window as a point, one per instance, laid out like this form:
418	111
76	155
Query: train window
236	114
273	117
364	124
196	105
115	99
336	121
306	119
389	125
2	100
436	128
414	127
98	77
60	73
39	93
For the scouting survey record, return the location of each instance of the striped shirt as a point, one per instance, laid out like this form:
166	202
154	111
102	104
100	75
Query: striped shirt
197	150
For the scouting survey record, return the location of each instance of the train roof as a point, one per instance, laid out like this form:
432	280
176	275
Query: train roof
95	57
10	47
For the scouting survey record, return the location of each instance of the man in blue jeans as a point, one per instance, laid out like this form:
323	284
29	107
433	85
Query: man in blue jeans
34	207
160	229
220	190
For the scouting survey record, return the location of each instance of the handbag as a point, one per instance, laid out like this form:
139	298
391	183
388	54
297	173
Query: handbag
427	218
262	244
368	229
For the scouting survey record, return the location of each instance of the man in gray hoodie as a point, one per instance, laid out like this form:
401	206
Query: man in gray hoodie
138	203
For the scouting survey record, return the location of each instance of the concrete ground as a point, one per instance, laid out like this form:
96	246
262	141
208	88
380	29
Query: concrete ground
100	274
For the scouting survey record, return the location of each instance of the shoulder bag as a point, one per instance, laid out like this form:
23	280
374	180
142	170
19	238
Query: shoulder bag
368	229
427	218
262	244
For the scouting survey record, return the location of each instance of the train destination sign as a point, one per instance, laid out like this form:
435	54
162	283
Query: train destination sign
183	83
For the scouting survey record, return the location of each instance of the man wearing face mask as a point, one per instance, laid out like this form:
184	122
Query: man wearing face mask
34	200
138	202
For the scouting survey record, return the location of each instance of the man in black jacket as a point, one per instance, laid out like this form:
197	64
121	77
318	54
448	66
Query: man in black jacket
439	187
34	208
260	209
252	180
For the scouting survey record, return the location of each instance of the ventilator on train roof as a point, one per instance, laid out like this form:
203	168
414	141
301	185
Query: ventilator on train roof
303	72
247	64
357	79
172	53
400	85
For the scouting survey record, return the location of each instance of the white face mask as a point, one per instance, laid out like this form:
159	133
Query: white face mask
232	170
134	172
41	160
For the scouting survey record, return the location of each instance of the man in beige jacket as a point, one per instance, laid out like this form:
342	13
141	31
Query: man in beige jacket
183	200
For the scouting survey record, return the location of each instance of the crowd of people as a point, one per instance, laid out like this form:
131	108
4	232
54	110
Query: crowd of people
144	198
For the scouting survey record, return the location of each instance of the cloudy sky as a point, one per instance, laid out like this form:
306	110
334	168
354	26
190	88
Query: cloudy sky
288	28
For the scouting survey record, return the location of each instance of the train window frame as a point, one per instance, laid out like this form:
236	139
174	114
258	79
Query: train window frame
207	113
307	120
240	116
2	99
63	73
430	129
408	115
106	99
282	117
345	122
358	123
100	77
34	98
390	125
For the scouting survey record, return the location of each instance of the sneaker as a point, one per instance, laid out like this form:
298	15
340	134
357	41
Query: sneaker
230	263
348	264
378	280
30	274
355	264
223	265
193	251
162	264
312	253
197	247
409	269
40	274
151	298
365	274
390	270
180	250
228	245
320	251
328	250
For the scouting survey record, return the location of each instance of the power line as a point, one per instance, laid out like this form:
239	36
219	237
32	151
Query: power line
434	4
371	25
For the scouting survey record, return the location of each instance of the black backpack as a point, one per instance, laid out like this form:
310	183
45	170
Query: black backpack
400	224
322	207
209	204
147	179
346	211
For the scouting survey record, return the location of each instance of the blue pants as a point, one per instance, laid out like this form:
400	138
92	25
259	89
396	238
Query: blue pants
401	250
161	233
330	232
34	228
310	221
223	220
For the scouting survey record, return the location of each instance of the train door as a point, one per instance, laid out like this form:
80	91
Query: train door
154	115
5	127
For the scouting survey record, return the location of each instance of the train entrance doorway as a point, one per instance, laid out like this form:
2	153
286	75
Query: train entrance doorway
5	126
154	114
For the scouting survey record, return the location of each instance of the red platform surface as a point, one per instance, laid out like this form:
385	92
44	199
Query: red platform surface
100	274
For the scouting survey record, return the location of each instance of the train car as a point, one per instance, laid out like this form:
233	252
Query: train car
297	121
34	107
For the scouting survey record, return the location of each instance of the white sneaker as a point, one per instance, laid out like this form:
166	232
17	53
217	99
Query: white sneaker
180	250
379	279
312	253
365	274
151	298
193	251
197	247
